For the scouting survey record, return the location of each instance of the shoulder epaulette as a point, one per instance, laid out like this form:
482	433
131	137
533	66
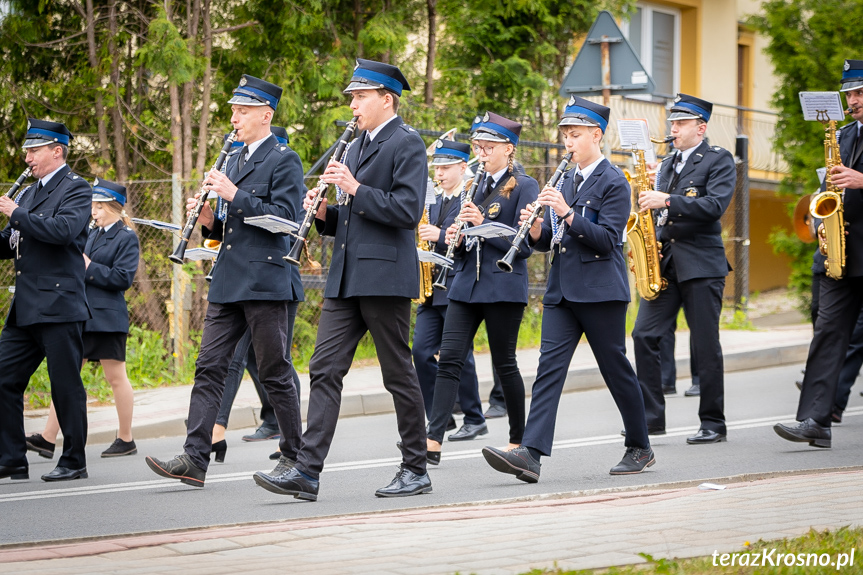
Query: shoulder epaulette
407	128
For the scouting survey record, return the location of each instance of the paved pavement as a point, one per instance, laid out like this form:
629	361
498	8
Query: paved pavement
578	530
160	412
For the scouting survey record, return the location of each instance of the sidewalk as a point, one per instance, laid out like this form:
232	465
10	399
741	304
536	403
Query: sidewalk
160	412
580	530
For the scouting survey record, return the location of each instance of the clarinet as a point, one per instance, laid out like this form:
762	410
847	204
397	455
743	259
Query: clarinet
297	249
13	191
474	186
180	252
505	264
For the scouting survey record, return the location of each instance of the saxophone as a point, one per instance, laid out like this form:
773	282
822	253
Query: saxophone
641	236
828	206
426	268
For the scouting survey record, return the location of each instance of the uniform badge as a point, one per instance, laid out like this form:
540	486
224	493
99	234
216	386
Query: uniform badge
438	144
243	81
571	101
493	211
677	99
847	65
96	182
28	125
691	192
485	118
477	120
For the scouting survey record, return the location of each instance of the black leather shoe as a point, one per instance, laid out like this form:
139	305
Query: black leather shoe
469	431
40	445
495	411
181	467
15	473
635	460
291	482
432	457
275	456
650	431
693	391
669	390
263	433
450	425
65	474
120	448
283	466
799	384
518	462
705	436
836	415
807	431
406	483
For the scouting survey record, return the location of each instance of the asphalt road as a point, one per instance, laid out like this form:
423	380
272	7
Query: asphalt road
122	496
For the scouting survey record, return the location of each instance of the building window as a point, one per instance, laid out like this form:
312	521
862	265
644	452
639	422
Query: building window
654	32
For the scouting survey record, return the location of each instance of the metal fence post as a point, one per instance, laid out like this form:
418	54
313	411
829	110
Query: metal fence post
177	308
741	225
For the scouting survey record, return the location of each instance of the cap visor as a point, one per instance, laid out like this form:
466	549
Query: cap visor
99	197
362	86
37	142
445	161
488	137
246	101
683	116
852	85
577	122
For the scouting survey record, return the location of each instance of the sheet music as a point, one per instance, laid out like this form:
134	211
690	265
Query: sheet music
635	132
433	257
157	224
273	224
196	254
822	106
490	230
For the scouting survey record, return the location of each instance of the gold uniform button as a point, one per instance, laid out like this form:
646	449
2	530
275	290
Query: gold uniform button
581	236
346	222
670	223
56	285
596	256
362	213
230	230
343	246
672	241
588	201
563	250
18	274
239	211
269	257
228	246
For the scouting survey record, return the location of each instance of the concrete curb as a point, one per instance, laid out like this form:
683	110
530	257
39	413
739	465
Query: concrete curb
380	402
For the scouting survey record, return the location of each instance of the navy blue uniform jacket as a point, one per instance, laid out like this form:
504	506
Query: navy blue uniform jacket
113	263
692	234
49	269
495	285
589	266
250	265
443	221
374	252
853	203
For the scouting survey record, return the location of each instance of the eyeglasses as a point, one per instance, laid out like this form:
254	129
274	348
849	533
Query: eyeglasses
487	148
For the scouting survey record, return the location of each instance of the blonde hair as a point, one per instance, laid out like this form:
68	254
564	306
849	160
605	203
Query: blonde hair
510	184
115	208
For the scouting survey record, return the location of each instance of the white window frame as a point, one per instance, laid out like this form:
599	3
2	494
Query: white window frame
647	11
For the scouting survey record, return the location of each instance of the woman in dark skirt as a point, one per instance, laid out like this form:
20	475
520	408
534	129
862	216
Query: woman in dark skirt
111	260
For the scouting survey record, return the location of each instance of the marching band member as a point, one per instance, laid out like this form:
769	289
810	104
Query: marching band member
587	294
697	183
482	292
251	284
840	301
449	163
373	276
45	237
111	260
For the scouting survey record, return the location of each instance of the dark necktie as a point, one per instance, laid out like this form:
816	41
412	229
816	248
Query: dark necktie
99	233
366	141
241	161
576	181
678	157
